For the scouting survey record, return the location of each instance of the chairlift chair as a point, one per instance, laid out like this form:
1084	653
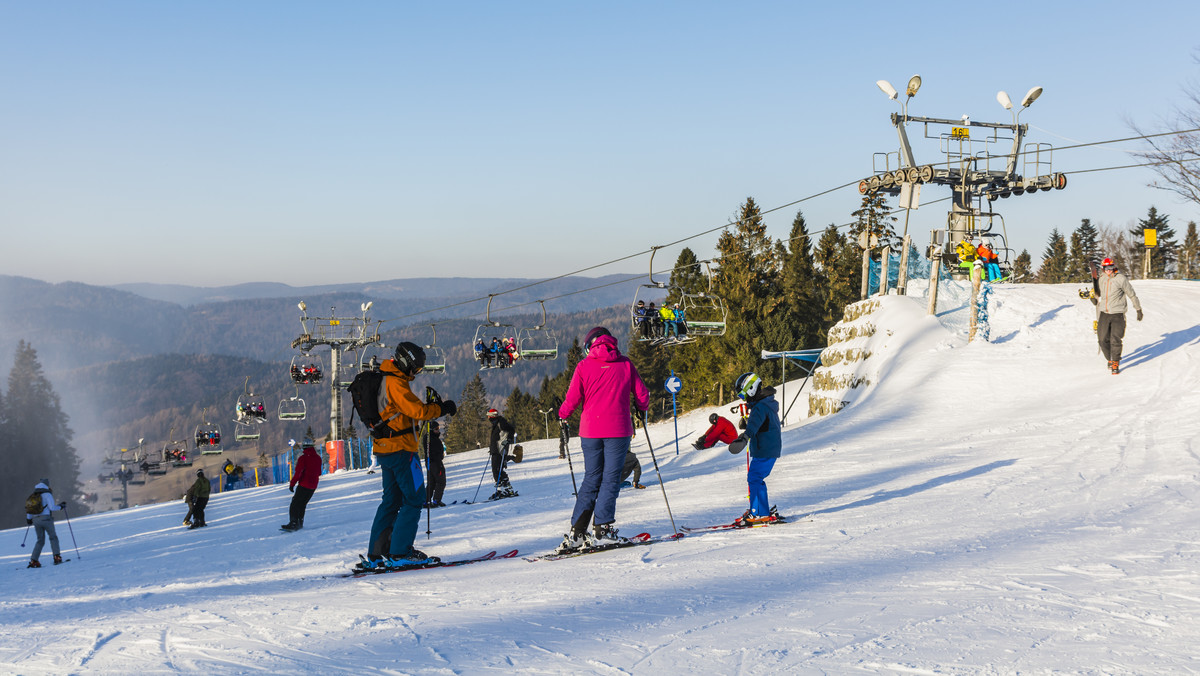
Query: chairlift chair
435	358
306	369
208	436
491	330
292	408
538	343
704	312
646	327
249	408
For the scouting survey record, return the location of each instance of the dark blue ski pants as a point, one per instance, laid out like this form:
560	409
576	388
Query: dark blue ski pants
603	460
399	512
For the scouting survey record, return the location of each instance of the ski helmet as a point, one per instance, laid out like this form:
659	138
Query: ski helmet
593	335
409	358
492	413
747	385
712	418
1107	264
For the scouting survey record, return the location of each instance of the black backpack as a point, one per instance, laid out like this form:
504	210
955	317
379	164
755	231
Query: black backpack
33	504
364	395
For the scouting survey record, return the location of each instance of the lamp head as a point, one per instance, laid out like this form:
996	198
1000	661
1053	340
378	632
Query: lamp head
302	306
1031	96
887	88
1002	97
914	83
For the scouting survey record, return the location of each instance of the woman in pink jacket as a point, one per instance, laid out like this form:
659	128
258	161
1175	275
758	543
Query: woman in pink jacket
602	383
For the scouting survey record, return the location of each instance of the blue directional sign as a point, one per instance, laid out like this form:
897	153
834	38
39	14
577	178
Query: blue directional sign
674	384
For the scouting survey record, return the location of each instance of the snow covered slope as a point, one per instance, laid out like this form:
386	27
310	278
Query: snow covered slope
983	508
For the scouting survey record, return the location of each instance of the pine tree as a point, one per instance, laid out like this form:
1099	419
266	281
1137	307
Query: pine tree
801	283
874	217
468	429
521	410
38	427
1054	260
1022	267
1189	254
1162	256
747	279
1085	248
837	259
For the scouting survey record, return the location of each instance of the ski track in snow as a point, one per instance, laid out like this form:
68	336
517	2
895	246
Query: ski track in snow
983	508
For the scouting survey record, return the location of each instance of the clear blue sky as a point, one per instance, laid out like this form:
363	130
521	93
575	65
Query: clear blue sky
213	143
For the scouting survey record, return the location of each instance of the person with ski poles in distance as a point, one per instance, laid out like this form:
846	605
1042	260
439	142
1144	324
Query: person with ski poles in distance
43	524
395	447
437	466
764	435
1110	312
307	474
499	441
603	382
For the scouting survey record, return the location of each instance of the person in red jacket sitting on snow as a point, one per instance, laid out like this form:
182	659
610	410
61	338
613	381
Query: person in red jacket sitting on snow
307	474
721	430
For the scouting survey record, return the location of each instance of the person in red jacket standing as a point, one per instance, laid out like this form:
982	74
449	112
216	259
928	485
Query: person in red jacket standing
307	474
721	430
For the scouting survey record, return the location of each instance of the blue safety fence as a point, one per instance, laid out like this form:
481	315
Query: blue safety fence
919	267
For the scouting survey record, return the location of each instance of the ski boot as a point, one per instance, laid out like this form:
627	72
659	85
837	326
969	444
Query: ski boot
34	564
749	519
291	525
604	535
698	444
414	557
639	486
187	522
572	541
57	559
1114	366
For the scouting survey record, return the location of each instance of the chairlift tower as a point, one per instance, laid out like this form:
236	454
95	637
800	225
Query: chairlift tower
340	334
971	169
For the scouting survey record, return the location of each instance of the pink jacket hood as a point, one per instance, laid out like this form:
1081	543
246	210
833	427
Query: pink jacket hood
603	383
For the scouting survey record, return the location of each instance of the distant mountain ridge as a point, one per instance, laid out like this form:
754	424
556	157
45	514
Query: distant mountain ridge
397	289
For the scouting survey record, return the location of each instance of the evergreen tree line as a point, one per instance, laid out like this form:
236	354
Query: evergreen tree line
1066	259
778	295
35	440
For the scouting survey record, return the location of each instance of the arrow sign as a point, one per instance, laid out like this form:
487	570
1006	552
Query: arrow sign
674	384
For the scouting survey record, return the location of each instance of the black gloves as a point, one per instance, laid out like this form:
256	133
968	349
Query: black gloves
62	505
291	489
28	521
1139	315
449	407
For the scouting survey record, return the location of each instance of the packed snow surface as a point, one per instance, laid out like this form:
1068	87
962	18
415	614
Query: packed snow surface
981	508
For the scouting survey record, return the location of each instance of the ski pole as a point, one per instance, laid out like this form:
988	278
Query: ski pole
26	534
72	530
566	443
485	469
428	478
646	433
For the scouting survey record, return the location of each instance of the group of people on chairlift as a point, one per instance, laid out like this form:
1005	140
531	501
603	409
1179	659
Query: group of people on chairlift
306	374
208	438
500	354
658	323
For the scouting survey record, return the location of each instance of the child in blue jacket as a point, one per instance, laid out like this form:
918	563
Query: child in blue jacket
763	433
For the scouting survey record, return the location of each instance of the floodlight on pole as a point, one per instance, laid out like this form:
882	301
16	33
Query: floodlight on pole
1031	96
914	83
887	88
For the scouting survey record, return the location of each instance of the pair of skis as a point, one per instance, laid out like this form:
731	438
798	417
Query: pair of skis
363	569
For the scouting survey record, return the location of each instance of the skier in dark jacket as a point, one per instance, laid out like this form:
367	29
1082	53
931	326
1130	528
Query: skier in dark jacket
43	524
1110	312
197	496
307	474
498	443
766	444
436	454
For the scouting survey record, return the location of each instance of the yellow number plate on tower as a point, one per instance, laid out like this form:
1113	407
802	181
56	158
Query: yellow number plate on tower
960	132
